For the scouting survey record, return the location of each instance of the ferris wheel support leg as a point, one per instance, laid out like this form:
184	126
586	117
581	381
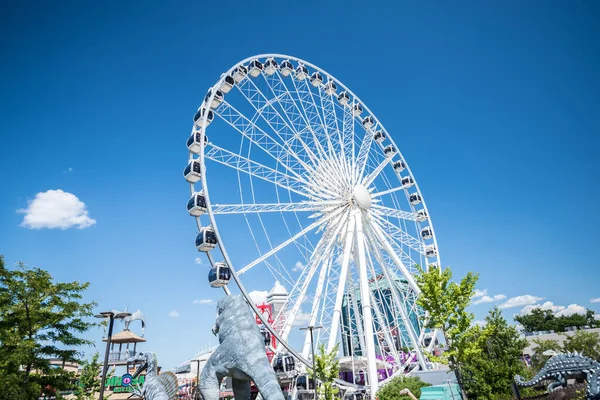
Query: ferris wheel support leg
315	307
337	310
367	312
401	308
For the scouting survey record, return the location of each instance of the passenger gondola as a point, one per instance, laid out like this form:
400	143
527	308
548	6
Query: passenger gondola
379	136
219	275
368	122
357	110
206	239
399	166
195	142
254	68
301	72
193	171
330	88
344	98
196	205
266	335
270	66
199	117
389	151
284	363
286	68
227	84
239	73
216	101
431	251
414	198
427	232
421	216
316	79
407	182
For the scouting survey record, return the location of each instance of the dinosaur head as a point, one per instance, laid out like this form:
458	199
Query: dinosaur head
146	359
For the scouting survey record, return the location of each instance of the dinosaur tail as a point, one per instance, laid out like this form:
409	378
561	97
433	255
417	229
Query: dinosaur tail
532	382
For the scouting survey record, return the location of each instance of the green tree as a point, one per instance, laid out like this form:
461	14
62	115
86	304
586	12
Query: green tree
495	359
446	303
587	343
545	320
391	391
327	368
39	319
538	359
89	379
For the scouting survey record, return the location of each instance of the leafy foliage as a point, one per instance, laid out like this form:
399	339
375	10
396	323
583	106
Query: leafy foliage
39	320
587	343
495	358
89	379
327	368
391	391
545	320
539	359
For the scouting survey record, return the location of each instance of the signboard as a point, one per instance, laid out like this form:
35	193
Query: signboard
125	383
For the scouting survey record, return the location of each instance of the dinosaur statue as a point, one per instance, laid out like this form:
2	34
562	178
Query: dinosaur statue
156	387
561	366
240	355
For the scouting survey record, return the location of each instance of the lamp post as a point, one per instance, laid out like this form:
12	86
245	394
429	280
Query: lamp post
311	328
197	392
111	316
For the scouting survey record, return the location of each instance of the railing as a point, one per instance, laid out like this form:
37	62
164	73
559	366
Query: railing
120	355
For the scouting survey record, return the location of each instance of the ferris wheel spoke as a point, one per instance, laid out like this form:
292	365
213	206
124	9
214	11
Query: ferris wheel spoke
388	191
325	266
398	234
297	118
384	211
373	175
274	207
363	155
331	120
314	109
284	155
255	169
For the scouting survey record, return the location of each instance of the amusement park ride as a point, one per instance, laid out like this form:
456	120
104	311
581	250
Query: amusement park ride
307	181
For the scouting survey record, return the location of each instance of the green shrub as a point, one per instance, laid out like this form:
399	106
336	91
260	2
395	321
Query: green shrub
391	391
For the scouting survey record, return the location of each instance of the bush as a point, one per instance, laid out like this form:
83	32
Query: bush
391	391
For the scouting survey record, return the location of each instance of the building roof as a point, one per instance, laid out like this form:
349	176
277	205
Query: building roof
125	336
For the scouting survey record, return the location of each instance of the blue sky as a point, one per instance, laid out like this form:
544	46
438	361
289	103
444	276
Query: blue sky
497	104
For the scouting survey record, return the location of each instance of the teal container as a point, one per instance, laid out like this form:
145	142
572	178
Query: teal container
441	392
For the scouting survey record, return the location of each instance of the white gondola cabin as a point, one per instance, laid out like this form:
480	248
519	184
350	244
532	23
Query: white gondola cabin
270	66
344	98
254	68
239	73
399	166
389	151
196	205
199	117
193	171
421	216
379	136
316	79
407	182
431	251
427	232
227	84
357	110
219	275
301	72
266	335
414	198
195	142
368	122
284	363
330	88
206	239
286	68
216	101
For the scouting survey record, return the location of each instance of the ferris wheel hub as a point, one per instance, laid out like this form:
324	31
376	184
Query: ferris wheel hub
362	196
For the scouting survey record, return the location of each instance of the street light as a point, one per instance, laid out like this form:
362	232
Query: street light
197	392
311	328
111	316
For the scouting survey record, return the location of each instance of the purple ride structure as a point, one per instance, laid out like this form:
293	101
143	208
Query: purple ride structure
307	186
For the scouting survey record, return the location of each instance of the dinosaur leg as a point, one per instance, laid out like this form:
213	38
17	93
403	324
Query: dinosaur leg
265	380
241	389
210	381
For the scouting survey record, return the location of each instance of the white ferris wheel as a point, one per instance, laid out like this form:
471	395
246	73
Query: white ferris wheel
309	189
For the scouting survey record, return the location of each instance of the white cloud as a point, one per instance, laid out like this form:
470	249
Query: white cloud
56	209
519	301
203	301
302	319
298	266
557	310
479	293
258	296
595	300
198	260
479	323
489	299
174	314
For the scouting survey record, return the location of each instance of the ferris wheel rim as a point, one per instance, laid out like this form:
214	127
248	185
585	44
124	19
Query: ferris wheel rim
209	206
